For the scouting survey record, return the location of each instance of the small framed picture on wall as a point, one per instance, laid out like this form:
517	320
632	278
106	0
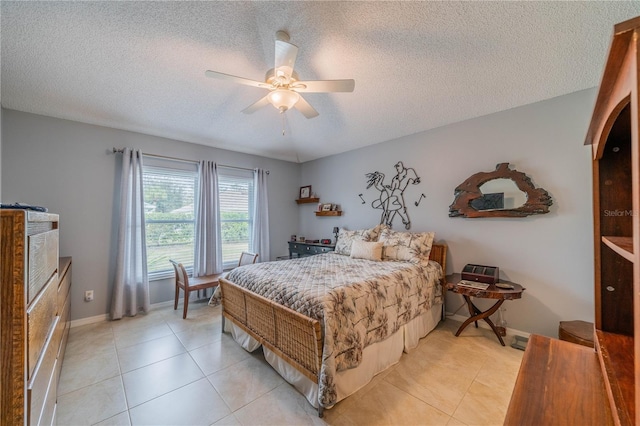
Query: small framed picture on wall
305	191
326	207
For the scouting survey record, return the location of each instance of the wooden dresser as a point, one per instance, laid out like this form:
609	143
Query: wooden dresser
34	316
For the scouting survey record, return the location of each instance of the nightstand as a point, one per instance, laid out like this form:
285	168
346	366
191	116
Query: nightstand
491	292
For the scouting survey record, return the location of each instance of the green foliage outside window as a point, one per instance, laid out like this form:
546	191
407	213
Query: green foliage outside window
178	232
234	227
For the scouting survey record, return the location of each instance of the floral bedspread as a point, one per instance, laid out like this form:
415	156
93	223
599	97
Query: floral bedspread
358	302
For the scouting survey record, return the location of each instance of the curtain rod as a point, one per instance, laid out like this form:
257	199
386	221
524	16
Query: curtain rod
121	150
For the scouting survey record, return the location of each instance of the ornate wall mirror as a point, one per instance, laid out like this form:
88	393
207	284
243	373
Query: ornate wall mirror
501	193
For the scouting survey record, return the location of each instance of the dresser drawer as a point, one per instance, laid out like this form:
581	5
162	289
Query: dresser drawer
40	318
48	415
296	248
63	322
43	260
43	376
308	250
63	345
320	250
63	288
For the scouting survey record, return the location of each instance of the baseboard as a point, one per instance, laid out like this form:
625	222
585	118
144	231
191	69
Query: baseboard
89	320
455	317
483	324
163	304
105	317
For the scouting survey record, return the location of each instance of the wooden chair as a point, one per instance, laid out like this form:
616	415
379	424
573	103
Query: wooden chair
246	258
183	282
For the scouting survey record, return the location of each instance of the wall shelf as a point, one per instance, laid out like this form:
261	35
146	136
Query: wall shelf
621	245
330	213
307	200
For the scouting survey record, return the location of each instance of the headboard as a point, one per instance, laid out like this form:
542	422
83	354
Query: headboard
439	254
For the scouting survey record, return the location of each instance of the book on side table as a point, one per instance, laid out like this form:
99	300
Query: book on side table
473	284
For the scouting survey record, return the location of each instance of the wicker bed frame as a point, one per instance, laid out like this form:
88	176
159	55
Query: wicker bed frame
294	337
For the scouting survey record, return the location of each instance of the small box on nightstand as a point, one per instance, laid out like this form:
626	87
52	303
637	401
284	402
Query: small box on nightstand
481	273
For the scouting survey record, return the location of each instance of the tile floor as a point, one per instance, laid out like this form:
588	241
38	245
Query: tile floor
159	369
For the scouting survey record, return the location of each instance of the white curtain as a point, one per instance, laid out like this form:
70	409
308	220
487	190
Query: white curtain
208	240
260	234
131	287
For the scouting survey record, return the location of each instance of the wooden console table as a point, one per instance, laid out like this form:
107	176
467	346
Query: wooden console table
491	292
559	383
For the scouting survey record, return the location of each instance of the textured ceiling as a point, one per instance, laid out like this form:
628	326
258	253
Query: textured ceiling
140	66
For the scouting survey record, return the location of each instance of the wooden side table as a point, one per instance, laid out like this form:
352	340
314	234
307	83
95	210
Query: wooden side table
492	292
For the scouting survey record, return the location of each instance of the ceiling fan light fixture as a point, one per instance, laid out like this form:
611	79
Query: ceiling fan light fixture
284	84
283	99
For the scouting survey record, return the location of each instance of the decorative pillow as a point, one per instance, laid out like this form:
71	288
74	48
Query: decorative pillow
346	239
407	246
374	233
370	250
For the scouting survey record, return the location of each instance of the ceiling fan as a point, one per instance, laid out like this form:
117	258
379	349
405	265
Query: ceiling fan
283	82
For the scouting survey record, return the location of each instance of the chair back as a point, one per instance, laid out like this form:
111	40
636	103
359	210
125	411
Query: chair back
181	273
247	258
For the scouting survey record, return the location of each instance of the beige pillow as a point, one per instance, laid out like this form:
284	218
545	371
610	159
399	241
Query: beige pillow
346	239
370	250
406	246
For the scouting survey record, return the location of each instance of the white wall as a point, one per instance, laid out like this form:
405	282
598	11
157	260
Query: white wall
551	255
66	166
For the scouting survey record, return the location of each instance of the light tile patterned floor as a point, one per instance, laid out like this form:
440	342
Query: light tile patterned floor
159	369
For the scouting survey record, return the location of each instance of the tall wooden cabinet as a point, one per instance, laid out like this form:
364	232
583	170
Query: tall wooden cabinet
562	382
613	135
33	327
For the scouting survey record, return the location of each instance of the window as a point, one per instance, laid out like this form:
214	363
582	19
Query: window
169	208
235	188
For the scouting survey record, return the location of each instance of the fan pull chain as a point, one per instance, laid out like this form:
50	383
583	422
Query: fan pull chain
282	114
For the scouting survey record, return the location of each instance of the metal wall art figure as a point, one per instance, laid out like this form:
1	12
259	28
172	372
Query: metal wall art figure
391	198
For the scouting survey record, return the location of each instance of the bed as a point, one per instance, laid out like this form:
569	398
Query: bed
328	323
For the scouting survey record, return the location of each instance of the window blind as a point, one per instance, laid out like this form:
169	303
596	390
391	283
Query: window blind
235	188
169	217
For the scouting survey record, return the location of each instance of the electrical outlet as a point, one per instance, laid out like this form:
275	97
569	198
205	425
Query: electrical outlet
88	295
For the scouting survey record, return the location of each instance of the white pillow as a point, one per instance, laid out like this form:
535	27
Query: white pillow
406	246
370	250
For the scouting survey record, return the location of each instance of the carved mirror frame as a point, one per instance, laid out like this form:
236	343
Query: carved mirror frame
538	200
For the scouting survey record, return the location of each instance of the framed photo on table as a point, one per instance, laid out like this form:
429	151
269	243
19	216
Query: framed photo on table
305	191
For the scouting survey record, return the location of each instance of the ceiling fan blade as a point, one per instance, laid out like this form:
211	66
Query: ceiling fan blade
324	86
305	108
257	105
285	58
236	79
